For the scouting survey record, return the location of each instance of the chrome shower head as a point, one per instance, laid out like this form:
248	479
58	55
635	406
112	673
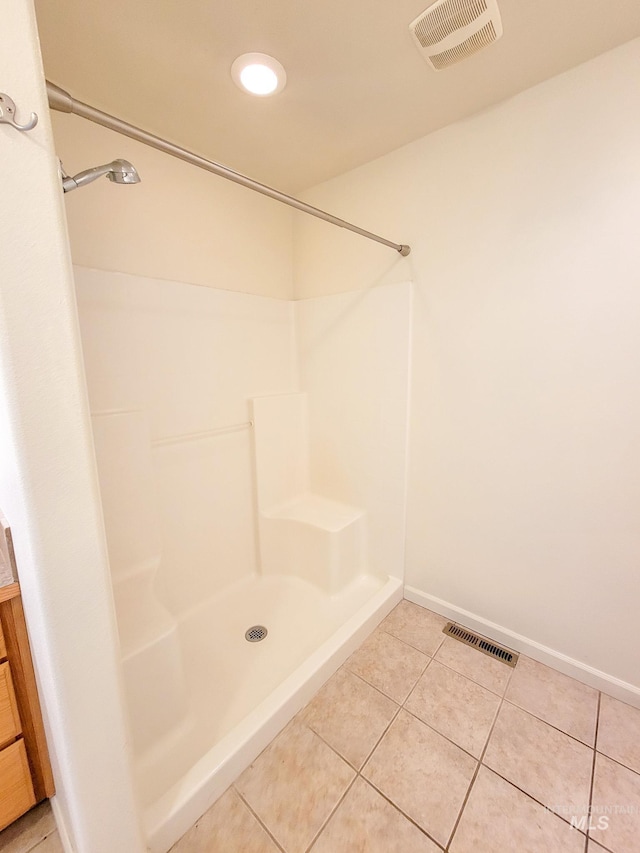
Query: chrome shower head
123	172
118	171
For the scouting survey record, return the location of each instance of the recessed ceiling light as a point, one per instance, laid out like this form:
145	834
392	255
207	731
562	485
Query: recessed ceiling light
258	74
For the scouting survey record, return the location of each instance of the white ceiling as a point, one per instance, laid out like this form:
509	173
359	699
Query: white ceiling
357	87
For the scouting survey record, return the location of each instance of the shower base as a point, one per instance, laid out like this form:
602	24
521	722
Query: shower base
240	694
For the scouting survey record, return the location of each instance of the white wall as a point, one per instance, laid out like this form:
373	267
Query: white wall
48	487
524	480
180	223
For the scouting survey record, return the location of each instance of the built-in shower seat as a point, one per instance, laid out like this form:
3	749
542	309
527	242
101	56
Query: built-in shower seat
315	538
304	534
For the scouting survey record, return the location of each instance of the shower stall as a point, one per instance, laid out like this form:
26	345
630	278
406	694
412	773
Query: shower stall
251	454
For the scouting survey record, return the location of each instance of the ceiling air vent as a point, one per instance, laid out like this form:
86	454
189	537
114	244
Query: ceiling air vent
451	30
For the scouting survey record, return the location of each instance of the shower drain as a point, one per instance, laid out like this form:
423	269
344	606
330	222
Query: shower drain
255	633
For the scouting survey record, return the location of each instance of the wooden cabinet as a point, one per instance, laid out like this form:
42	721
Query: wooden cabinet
16	789
25	772
10	727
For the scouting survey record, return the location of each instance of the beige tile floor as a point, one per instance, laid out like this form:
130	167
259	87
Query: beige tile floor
421	744
35	832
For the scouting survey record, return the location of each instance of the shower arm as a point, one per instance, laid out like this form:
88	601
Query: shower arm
64	102
88	176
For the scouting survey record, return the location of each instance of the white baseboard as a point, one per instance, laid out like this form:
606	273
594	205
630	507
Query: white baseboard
622	690
61	826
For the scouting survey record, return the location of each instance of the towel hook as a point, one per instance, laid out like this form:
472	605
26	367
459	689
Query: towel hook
8	114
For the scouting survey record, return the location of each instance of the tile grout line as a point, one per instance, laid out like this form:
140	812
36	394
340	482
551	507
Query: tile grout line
445	737
433	657
331	747
377	689
475	774
31	849
332	812
442	663
386	695
593	771
402	707
531	797
478	761
42	841
411	646
535	800
370	753
257	817
461	675
619	763
368	781
473	680
547	723
560	731
33	846
378	742
413	689
407	711
510	781
403	813
359	774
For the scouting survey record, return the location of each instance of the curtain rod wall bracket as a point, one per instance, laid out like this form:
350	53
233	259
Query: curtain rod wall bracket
66	103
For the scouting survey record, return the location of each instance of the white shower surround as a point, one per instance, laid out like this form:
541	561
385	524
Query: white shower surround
168	360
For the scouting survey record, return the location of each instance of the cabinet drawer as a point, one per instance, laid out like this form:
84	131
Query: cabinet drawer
10	726
3	648
16	790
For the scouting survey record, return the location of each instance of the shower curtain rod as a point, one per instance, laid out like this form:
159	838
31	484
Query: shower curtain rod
64	102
